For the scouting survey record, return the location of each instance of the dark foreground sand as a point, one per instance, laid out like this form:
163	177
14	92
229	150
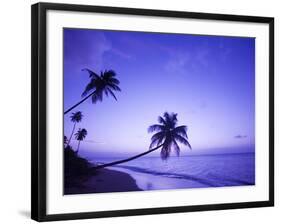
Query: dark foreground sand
103	181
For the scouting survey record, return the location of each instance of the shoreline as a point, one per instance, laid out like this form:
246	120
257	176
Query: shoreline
186	173
104	181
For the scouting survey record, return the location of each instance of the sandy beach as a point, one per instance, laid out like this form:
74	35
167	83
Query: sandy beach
151	173
103	181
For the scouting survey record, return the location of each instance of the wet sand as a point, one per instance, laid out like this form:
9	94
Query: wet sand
103	181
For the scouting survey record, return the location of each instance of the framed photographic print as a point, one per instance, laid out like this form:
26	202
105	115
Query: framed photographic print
139	111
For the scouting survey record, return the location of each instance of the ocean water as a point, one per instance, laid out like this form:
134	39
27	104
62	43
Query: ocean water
152	173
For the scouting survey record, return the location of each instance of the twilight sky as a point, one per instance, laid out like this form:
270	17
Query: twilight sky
209	81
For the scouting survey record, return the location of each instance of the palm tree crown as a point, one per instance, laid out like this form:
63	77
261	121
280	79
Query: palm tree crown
81	134
65	140
76	117
168	134
105	83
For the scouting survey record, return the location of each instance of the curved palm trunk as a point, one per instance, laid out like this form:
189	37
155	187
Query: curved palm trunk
71	133
77	104
126	160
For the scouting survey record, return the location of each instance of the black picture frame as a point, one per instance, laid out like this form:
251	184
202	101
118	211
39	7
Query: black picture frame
38	116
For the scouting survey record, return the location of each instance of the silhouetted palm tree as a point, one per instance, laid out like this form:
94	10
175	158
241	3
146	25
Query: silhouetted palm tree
166	138
105	83
75	118
65	141
79	136
168	134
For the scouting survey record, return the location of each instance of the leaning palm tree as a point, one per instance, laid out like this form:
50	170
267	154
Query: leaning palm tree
75	118
79	136
168	134
166	138
105	83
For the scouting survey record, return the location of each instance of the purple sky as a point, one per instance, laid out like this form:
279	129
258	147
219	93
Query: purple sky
208	80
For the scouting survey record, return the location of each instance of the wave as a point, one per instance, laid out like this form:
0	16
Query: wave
217	181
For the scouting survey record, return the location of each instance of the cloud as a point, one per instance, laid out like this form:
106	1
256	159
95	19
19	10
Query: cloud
88	48
240	136
177	61
121	54
183	62
83	48
95	142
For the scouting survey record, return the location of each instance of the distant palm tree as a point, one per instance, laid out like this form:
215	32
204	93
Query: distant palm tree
65	141
166	138
105	83
75	118
80	135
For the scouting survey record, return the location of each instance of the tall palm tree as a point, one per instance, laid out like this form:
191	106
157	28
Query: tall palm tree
79	136
75	118
165	139
105	83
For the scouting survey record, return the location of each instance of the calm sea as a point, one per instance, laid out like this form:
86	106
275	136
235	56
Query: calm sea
152	173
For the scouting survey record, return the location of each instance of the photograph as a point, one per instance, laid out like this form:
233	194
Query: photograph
149	111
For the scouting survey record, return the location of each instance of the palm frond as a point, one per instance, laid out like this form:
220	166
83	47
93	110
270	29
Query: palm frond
181	130
161	120
90	86
157	139
182	140
109	74
157	135
91	73
171	119
106	91
112	94
114	87
176	147
97	96
156	127
154	143
114	81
